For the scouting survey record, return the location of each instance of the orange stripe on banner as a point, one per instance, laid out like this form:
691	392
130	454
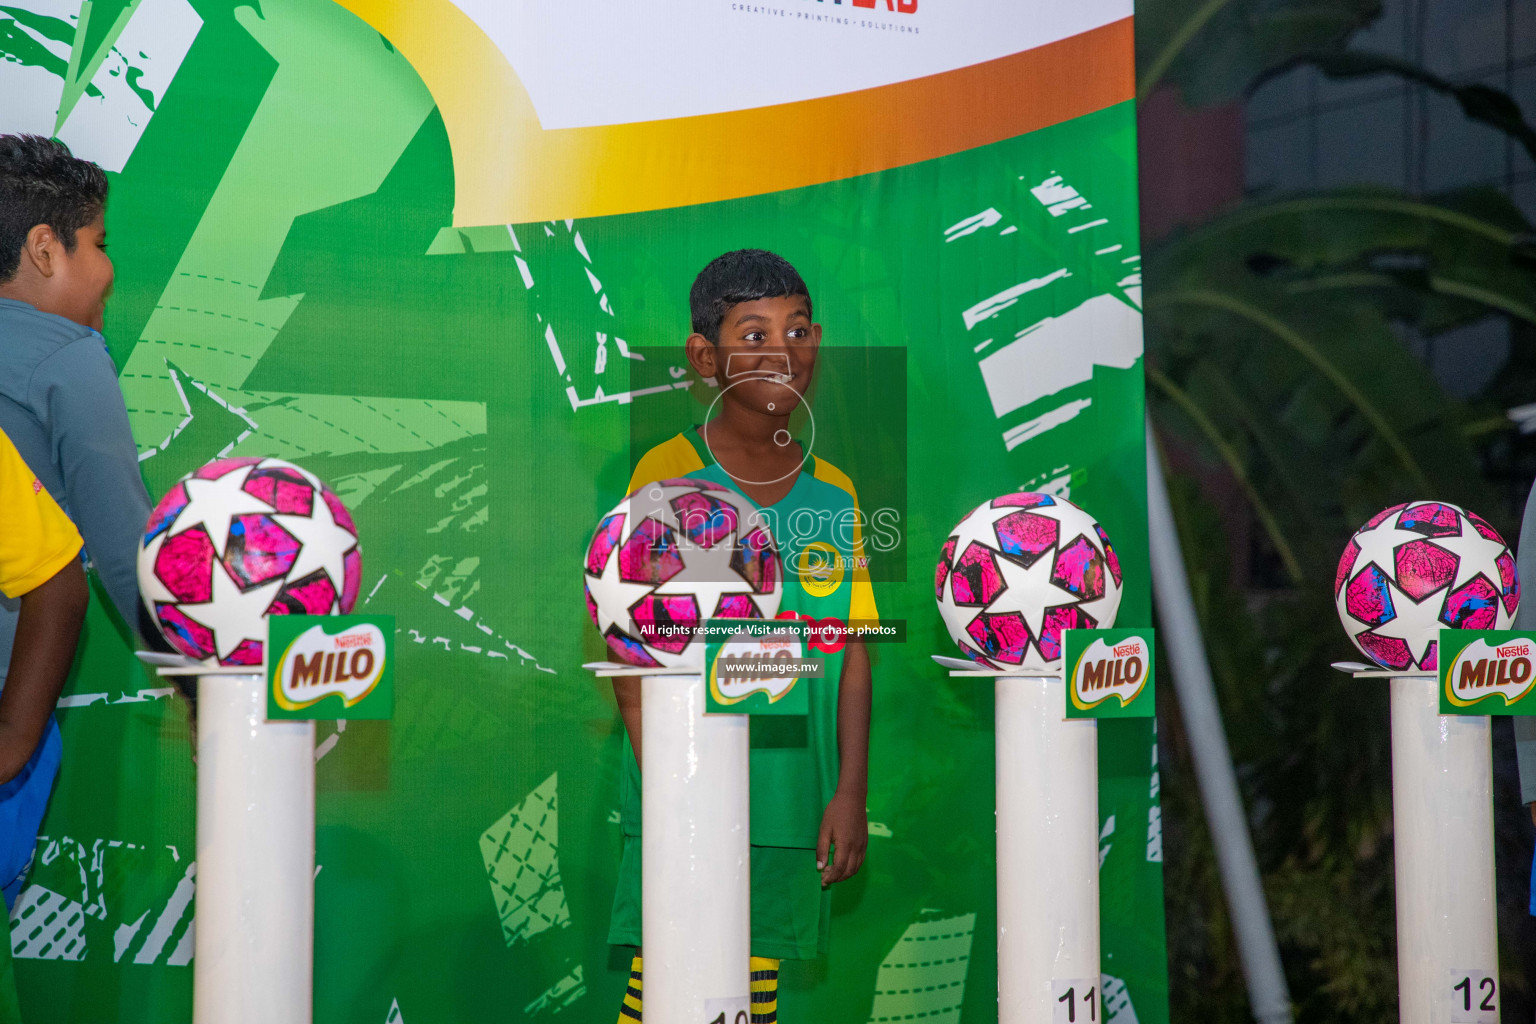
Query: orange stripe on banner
509	169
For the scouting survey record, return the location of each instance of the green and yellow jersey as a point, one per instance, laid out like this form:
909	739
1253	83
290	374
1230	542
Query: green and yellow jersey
819	531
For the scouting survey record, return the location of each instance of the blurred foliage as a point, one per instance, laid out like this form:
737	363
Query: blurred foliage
1279	363
1216	50
1478	102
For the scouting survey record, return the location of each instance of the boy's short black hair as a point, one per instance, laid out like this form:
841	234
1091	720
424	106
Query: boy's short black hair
41	182
744	275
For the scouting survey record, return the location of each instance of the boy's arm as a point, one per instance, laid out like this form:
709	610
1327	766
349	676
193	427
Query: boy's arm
1525	759
626	692
1525	618
76	389
47	631
845	823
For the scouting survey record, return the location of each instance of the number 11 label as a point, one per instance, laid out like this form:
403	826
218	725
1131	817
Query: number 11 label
1473	995
1075	1001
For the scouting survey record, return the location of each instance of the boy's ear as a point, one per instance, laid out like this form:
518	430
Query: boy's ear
702	356
41	248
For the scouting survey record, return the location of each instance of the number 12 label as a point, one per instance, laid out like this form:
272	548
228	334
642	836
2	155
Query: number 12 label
1473	995
1076	1001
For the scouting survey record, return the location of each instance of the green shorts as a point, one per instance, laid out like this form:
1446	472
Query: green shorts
791	913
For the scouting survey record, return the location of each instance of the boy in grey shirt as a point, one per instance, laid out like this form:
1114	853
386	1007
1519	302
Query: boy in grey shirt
61	405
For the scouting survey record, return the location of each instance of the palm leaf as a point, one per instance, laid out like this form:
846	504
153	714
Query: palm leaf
1435	263
1269	324
1235	464
1480	103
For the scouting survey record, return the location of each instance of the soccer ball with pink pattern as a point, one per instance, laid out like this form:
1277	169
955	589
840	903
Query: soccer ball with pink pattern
672	555
236	541
1018	571
1417	568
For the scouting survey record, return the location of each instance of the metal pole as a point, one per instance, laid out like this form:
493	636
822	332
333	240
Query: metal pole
254	944
1181	639
695	858
1047	856
1442	818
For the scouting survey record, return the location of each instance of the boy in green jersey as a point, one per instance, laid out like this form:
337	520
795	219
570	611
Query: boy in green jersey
753	333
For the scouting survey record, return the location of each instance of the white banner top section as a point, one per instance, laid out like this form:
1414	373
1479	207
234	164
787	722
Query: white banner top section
604	62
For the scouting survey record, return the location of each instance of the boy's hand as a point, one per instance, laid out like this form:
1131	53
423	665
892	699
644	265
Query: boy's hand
845	835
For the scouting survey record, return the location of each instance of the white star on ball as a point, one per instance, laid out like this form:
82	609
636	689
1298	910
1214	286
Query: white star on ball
234	615
1478	554
1025	592
982	526
611	593
323	543
1417	623
215	503
1378	545
706	574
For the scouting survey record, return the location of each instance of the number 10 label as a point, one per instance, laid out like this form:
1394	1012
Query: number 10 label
1473	995
1076	1001
727	1011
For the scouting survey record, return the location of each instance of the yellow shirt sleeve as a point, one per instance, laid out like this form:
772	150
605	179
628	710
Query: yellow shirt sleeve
674	457
36	537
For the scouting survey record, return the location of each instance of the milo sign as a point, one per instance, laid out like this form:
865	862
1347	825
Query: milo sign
330	666
758	667
1487	672
1109	673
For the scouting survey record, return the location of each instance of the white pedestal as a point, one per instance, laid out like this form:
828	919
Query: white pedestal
254	945
1442	813
1047	853
696	914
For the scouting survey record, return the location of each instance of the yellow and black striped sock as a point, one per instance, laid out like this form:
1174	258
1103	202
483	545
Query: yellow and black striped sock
765	992
629	1010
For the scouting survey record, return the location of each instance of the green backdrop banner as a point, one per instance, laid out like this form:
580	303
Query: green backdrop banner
301	273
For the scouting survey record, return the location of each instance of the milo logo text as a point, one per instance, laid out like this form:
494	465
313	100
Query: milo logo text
1482	671
729	687
1104	670
316	665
